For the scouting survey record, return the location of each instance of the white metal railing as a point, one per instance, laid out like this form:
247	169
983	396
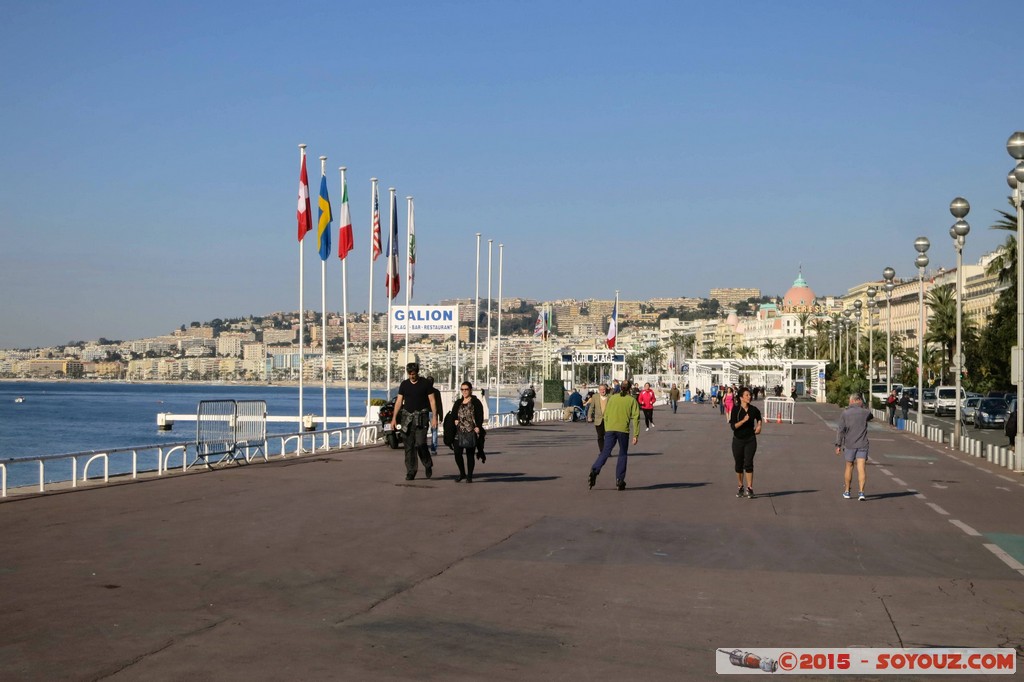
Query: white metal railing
161	457
779	410
125	461
1000	456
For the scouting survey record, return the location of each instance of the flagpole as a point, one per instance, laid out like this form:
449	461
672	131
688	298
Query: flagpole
476	316
391	278
323	320
302	311
615	317
408	270
457	377
489	244
344	305
497	385
374	223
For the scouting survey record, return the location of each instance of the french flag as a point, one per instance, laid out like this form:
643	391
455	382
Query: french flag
613	326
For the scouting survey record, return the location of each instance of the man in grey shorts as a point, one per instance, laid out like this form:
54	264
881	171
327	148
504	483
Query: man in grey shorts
852	441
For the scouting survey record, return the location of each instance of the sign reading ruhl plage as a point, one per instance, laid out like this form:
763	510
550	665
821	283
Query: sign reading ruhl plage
425	319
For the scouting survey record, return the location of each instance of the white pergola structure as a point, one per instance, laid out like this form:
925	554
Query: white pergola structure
614	361
787	372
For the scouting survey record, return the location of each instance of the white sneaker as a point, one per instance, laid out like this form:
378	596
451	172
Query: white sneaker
647	429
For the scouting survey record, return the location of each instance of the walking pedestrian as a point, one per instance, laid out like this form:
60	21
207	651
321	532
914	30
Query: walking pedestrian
622	414
469	417
595	413
414	405
852	441
905	405
729	401
673	398
440	411
890	404
646	399
1010	427
745	421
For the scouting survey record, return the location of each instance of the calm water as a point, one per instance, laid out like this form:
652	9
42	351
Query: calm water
65	417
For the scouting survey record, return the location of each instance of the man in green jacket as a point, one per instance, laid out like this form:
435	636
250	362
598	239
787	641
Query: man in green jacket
621	411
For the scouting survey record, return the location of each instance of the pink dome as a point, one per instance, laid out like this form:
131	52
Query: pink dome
798	296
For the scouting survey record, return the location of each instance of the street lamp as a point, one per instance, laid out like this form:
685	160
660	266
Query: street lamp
872	292
1015	147
888	274
959	208
857	305
846	348
922	245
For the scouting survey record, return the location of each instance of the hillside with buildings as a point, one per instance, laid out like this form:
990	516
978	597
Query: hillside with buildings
656	335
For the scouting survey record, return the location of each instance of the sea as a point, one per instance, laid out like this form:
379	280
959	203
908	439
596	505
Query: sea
62	417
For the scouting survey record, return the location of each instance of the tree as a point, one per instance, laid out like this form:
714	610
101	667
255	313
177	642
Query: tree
771	347
655	356
804	319
791	347
942	325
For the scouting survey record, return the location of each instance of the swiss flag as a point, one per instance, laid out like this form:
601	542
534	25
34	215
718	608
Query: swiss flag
302	214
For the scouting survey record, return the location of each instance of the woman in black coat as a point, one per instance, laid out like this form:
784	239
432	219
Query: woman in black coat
469	419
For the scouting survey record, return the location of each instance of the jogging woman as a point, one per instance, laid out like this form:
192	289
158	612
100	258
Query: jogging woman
745	421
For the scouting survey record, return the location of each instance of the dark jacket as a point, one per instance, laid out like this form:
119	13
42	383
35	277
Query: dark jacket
450	428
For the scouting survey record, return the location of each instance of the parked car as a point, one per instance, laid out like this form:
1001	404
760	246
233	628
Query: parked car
967	411
991	414
928	404
946	399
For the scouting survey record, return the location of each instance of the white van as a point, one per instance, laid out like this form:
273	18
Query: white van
878	391
945	399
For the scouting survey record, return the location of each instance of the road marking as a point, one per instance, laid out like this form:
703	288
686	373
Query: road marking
923	458
885	471
1002	487
940	487
1007	478
920	496
937	508
1006	558
898	481
964	527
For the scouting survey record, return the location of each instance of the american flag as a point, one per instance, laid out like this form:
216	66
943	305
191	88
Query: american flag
376	225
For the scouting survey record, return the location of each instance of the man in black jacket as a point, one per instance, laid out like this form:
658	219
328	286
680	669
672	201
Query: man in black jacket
416	408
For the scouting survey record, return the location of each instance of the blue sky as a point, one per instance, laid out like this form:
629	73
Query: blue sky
150	164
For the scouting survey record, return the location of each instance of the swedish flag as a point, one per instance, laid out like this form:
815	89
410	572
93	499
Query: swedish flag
323	228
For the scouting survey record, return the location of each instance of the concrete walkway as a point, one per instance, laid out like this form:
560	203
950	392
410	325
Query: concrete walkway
333	567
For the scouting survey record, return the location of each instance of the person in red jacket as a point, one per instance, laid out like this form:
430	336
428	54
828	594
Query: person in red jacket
646	400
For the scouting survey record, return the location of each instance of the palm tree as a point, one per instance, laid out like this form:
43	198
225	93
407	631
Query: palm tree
942	324
1005	264
655	355
675	342
745	352
791	347
804	318
821	326
771	347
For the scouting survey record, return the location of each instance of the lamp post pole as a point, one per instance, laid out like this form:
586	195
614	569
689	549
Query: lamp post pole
959	208
846	347
921	244
888	274
871	332
857	305
1015	147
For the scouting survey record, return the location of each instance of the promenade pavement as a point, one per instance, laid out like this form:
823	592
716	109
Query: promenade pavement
333	567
